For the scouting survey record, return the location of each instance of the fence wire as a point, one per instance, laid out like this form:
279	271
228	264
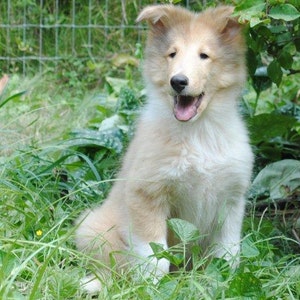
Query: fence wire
43	33
35	34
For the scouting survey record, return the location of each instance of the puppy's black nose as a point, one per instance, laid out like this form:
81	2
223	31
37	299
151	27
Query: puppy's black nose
179	82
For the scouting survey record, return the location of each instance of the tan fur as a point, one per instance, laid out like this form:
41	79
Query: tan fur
197	170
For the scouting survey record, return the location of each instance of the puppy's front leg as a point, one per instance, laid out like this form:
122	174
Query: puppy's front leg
227	241
148	224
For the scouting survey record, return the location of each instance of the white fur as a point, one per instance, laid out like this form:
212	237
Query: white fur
150	264
91	284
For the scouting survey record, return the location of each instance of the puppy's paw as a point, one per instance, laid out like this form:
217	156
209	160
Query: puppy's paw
161	269
91	284
163	266
155	268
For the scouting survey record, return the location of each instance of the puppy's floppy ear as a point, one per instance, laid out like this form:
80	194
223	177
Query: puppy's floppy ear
230	28
156	15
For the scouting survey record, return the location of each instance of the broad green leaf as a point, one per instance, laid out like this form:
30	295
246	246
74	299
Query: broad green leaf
157	248
159	252
261	83
184	230
254	11
110	139
264	32
278	28
251	61
260	80
245	285
249	249
166	290
219	269
264	127
249	4
278	180
254	21
285	59
286	12
275	72
269	151
284	38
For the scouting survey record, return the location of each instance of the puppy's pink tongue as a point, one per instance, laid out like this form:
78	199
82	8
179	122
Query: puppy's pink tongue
185	107
185	113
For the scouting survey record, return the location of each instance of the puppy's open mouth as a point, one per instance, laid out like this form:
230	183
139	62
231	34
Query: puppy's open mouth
186	107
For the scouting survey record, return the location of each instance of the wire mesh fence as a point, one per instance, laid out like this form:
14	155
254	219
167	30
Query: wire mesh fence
45	32
35	34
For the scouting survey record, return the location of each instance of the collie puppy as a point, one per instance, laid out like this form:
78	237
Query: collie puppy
190	157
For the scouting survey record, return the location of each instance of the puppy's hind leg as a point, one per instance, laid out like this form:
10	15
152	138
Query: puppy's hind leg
97	236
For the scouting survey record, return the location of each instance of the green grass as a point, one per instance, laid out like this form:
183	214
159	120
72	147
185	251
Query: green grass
54	164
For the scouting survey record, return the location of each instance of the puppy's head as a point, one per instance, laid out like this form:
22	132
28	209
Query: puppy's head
189	57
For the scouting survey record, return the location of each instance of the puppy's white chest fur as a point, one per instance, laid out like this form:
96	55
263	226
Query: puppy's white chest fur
180	168
192	161
203	178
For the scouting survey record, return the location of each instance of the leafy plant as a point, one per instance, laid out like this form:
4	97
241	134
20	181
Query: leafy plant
278	180
273	40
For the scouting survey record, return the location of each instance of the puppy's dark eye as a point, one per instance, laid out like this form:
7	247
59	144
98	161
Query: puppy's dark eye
203	56
172	55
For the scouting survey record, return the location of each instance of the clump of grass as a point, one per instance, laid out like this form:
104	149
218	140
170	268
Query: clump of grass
55	164
42	111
